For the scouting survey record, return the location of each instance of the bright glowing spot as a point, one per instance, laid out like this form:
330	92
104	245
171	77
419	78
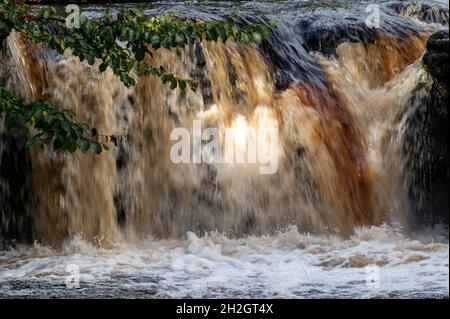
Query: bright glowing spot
240	131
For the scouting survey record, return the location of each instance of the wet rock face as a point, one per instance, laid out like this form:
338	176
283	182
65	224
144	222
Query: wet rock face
427	139
427	146
324	30
436	58
326	37
15	166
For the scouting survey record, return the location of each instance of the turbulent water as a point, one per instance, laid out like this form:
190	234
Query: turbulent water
286	265
335	214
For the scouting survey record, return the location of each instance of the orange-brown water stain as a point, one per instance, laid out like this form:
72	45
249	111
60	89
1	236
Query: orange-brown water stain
34	66
354	196
339	132
377	63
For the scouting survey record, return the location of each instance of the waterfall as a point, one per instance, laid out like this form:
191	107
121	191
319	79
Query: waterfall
341	123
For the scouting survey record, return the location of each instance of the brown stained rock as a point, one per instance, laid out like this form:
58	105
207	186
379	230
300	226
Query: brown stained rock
415	258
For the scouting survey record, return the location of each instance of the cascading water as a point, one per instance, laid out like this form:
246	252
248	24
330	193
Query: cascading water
339	94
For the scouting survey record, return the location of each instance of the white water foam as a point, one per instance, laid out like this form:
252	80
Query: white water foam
289	264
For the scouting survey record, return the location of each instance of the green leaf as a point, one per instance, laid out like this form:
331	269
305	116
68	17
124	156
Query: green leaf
131	34
155	40
90	59
103	66
126	79
266	32
212	34
257	38
173	84
97	148
140	53
166	43
84	145
245	38
37	115
180	40
71	146
221	33
182	84
66	127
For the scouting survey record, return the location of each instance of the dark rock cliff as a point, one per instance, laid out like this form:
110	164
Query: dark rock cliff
427	139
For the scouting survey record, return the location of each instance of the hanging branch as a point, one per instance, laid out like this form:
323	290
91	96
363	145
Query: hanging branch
100	39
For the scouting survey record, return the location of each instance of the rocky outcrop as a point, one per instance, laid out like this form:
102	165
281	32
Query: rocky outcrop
325	37
15	166
427	138
435	60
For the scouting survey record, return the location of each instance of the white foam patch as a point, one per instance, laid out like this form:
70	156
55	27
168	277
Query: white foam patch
289	264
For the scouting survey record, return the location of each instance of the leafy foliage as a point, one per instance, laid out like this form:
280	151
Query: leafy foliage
124	42
48	124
